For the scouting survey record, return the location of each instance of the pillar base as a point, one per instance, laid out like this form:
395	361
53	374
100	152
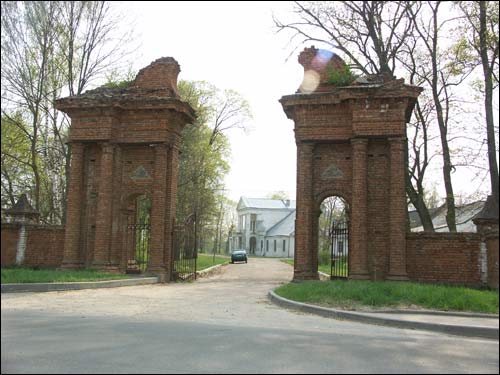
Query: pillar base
397	278
297	277
359	276
71	266
161	273
100	266
112	268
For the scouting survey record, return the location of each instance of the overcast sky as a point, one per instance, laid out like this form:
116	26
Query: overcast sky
234	45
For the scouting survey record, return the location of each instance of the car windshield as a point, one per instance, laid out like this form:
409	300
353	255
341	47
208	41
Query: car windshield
239	252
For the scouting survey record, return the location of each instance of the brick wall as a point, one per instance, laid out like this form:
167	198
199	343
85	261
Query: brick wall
452	258
492	245
44	245
10	236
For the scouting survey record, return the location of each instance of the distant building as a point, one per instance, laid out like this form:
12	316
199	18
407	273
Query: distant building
464	215
266	227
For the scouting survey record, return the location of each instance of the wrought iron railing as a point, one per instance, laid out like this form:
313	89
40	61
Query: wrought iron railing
339	250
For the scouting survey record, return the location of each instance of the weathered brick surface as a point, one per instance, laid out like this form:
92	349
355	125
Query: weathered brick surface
492	245
123	139
73	237
452	258
44	245
10	236
350	144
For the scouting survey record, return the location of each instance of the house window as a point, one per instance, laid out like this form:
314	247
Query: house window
261	245
274	245
284	245
239	242
253	220
267	245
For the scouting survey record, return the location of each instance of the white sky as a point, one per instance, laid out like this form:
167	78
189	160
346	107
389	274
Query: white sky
234	45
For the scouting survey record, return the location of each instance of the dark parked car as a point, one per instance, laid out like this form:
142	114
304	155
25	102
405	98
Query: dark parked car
239	256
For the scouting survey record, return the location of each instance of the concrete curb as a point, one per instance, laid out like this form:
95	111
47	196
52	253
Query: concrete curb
51	287
369	318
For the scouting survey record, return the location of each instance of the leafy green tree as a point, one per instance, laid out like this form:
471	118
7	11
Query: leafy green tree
204	157
15	172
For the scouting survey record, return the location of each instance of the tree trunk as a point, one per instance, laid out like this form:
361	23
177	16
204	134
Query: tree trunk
488	101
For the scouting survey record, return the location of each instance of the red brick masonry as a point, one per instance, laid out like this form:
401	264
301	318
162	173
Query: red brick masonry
44	245
452	258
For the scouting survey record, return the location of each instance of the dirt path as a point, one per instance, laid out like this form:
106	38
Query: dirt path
239	292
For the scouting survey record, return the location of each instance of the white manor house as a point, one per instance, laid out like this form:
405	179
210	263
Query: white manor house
266	227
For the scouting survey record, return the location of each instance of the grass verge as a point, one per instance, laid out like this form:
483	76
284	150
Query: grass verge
356	295
29	275
207	260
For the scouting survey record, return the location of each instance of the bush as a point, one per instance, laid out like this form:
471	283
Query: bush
342	77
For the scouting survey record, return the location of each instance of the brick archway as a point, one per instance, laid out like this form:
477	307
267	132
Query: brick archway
350	142
124	143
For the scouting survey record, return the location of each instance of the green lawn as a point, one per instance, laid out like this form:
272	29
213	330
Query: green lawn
28	275
206	260
354	294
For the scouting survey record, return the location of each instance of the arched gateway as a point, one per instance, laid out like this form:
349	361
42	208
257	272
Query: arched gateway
351	143
124	145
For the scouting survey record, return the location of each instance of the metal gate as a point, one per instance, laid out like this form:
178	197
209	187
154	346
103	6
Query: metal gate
185	250
339	250
139	240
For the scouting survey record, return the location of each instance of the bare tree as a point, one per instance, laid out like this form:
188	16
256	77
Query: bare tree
418	162
442	72
28	38
369	33
50	48
92	42
482	24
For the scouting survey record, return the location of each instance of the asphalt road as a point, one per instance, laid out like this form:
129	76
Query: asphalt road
223	324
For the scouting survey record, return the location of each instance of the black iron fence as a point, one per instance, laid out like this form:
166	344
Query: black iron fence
339	250
185	254
140	240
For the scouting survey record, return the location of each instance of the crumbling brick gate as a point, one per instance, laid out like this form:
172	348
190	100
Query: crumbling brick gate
124	146
350	143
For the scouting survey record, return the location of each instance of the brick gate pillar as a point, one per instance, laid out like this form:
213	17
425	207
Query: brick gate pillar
306	257
156	260
358	257
71	256
104	207
397	212
170	206
487	226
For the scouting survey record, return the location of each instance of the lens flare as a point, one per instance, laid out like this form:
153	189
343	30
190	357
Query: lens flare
310	82
321	59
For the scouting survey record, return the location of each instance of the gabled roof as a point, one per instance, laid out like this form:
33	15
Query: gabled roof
285	227
246	202
463	217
